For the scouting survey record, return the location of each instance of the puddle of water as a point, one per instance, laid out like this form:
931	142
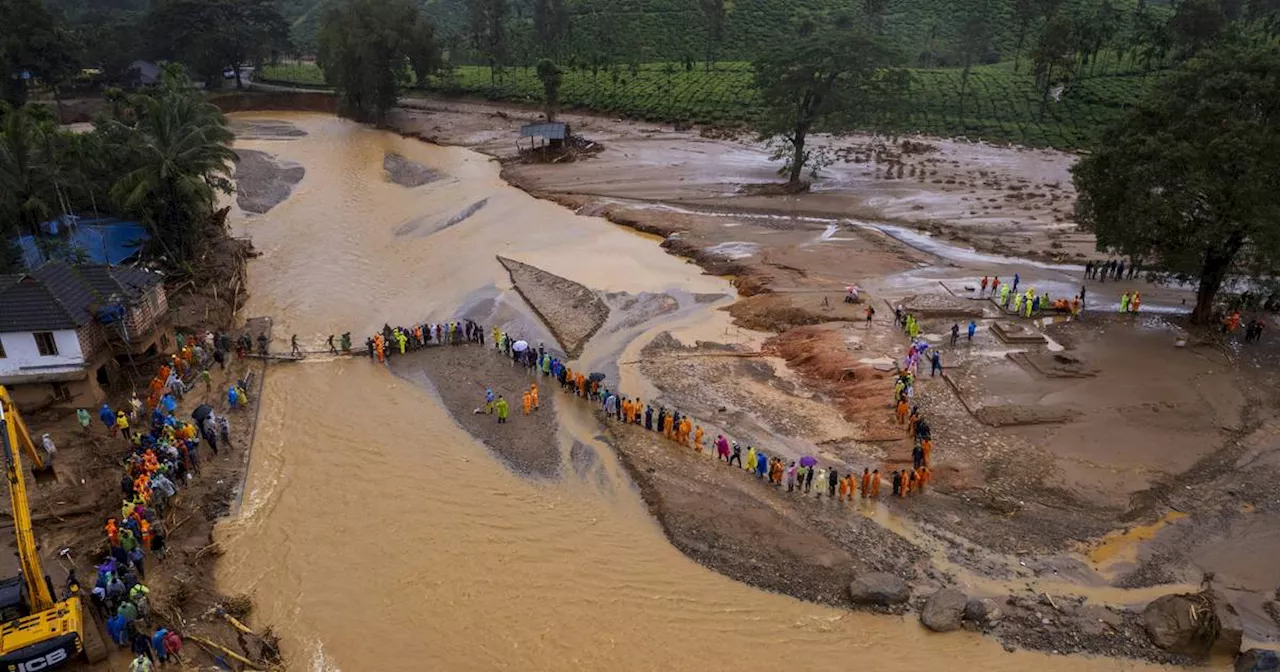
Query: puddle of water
1121	546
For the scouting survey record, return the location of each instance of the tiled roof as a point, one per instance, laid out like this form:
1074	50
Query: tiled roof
59	296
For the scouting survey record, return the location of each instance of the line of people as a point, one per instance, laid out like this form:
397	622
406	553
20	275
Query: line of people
798	475
400	340
1027	303
1101	270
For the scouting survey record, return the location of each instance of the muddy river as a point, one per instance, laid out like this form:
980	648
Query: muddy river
376	534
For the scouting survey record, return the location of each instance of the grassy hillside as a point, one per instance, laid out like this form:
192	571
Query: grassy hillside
669	30
1000	106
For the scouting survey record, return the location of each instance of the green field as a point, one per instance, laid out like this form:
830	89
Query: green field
999	105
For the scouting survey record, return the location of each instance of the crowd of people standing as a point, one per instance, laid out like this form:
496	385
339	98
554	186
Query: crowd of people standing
161	457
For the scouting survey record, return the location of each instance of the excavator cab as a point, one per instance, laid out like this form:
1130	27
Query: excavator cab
39	632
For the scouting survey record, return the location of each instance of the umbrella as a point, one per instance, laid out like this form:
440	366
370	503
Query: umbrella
596	376
808	461
202	411
520	346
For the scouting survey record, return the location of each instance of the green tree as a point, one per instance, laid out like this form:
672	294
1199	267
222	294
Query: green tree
181	159
487	28
25	197
366	50
550	26
1024	14
1053	58
826	76
1196	23
549	75
1187	179
975	40
211	35
33	46
875	11
715	13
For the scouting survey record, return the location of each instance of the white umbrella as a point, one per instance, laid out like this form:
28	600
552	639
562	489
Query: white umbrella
520	346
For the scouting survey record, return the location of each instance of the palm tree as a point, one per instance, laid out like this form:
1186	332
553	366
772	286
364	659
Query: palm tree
182	160
25	199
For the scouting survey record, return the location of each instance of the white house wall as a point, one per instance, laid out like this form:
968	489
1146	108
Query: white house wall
21	356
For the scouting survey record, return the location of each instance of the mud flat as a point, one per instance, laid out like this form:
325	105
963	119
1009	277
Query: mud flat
407	173
264	181
460	374
571	311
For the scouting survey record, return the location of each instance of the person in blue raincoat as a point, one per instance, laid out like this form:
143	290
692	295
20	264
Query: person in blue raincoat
107	416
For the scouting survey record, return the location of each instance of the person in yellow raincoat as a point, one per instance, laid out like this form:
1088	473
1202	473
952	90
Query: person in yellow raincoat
751	459
503	409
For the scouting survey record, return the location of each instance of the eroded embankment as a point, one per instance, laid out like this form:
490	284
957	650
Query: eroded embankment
573	313
738	525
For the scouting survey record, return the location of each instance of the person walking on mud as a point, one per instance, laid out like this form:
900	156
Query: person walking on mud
937	361
737	455
293	346
871	312
503	409
832	480
955	334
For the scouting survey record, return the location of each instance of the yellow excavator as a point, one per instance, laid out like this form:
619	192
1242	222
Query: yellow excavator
39	631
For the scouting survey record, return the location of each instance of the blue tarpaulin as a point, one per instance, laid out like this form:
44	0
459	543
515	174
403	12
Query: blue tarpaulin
103	240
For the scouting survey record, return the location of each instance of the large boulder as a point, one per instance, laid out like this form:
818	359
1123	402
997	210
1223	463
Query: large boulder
944	610
1194	624
1258	660
982	610
880	589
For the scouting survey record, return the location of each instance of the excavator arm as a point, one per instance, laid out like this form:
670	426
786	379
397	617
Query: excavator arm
14	433
44	633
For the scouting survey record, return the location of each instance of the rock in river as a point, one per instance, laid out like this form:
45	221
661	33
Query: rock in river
1258	660
944	610
1194	624
879	588
982	610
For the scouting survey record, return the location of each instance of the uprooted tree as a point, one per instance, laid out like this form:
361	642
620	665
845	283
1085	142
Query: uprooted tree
828	76
1187	180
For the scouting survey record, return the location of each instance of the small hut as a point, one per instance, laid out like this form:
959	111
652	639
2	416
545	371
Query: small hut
550	133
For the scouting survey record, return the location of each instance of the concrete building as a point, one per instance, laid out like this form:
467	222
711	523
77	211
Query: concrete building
65	331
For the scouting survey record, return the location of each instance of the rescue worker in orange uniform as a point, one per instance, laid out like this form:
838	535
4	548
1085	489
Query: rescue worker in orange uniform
527	402
113	532
697	438
927	446
866	481
533	392
902	411
875	483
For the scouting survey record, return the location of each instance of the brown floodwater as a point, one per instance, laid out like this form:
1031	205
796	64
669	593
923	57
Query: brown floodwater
376	534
